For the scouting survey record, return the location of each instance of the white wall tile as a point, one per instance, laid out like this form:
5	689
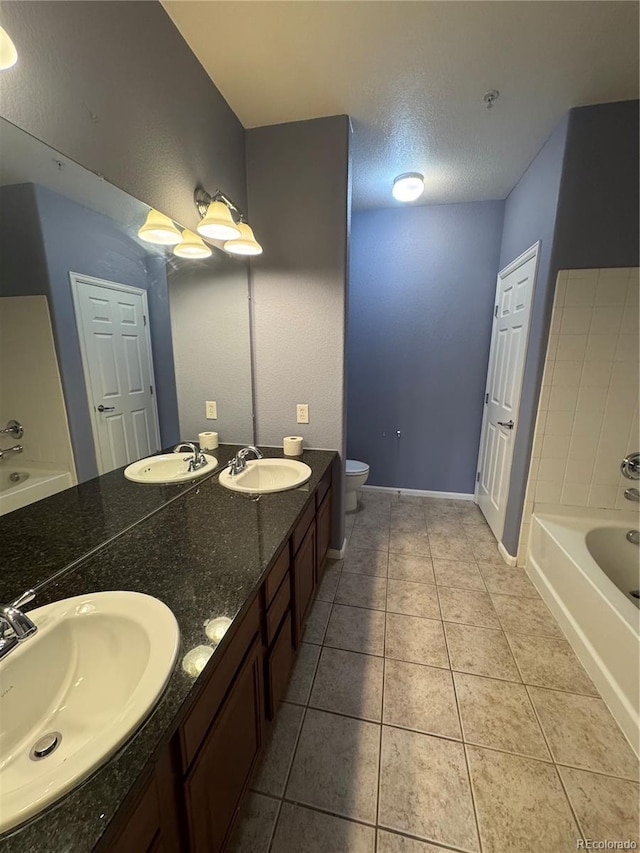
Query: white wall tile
606	319
603	497
580	291
600	348
627	348
551	470
547	493
572	348
563	398
555	447
559	423
567	373
575	494
611	291
552	346
596	374
588	274
575	321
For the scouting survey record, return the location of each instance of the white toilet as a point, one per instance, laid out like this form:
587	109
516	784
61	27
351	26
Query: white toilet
356	477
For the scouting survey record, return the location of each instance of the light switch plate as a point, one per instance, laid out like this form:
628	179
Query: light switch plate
302	413
211	410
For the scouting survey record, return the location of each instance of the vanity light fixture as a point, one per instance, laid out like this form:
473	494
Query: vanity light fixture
192	246
218	215
408	187
8	52
159	229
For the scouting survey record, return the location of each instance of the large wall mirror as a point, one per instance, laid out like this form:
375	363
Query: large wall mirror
71	261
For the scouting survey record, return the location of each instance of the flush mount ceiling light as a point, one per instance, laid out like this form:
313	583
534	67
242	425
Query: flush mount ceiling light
245	244
192	246
8	52
159	229
218	215
408	186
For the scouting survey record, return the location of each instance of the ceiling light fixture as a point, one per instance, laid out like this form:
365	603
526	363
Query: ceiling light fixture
192	246
218	223
408	186
8	52
159	229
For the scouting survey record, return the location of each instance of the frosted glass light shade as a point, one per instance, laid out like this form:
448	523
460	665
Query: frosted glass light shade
8	52
218	223
408	187
191	246
159	229
245	244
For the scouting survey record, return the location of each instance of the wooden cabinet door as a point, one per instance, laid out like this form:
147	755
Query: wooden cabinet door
279	663
224	764
304	579
323	523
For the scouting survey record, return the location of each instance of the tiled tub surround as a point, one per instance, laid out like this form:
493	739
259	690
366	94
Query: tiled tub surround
435	702
204	555
588	411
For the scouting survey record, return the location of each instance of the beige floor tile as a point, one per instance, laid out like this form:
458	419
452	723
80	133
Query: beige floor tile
456	574
409	543
272	774
424	788
606	808
421	698
507	580
546	662
366	562
390	842
485	550
448	547
329	582
336	765
254	832
409	567
445	525
439	506
499	714
349	683
520	804
480	651
356	629
412	599
300	829
362	591
407	509
370	538
317	622
525	617
415	640
469	512
401	523
470	607
303	672
581	732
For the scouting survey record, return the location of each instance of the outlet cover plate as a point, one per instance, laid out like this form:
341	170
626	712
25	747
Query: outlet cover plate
211	410
302	413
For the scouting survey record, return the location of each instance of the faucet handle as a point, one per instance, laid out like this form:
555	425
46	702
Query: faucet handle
23	599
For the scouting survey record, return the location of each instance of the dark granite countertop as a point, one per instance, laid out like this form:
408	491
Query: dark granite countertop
203	555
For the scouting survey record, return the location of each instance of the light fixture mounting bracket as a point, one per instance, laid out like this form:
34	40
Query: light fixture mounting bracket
203	199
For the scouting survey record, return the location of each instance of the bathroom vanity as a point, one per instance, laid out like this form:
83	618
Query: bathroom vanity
207	552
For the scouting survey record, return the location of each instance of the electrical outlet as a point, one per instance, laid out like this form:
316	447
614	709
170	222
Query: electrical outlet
211	410
302	413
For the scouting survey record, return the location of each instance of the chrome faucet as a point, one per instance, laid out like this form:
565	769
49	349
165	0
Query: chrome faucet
239	461
15	626
13	428
632	495
17	448
197	460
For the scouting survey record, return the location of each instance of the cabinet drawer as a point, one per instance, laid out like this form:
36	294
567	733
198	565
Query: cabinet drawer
304	580
279	663
323	532
223	767
278	608
141	833
276	574
323	487
209	700
303	525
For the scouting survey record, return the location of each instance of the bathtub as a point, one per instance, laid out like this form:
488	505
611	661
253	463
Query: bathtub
585	570
23	484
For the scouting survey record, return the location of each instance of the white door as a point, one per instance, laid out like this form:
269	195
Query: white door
514	295
118	370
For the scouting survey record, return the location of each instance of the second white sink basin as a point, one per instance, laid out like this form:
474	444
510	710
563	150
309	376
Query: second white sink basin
167	468
87	679
263	476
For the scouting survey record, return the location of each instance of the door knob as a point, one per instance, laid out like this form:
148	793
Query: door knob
507	424
102	408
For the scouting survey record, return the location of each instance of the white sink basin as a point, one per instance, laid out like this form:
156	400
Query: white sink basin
92	673
262	476
167	468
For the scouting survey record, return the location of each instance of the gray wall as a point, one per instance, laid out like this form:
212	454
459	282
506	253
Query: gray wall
421	297
298	178
115	87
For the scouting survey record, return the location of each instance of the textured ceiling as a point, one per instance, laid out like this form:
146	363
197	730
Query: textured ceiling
412	75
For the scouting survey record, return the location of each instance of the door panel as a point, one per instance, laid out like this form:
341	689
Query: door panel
514	295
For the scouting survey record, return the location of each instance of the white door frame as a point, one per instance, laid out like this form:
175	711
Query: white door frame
76	279
532	252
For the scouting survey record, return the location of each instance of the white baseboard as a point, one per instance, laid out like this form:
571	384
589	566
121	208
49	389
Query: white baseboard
506	556
334	554
421	493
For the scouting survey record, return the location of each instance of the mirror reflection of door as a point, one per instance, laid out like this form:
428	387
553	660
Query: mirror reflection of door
118	370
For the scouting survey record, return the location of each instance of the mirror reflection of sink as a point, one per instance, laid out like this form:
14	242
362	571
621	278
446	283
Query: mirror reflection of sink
263	476
76	690
167	468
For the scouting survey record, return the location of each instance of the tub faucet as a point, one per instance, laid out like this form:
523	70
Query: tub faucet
633	536
15	626
17	448
197	460
239	461
632	495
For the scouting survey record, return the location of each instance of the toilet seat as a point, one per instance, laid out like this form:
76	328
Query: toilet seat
355	468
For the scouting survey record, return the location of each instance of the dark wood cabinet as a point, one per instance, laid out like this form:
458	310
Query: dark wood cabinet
304	580
323	532
278	669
